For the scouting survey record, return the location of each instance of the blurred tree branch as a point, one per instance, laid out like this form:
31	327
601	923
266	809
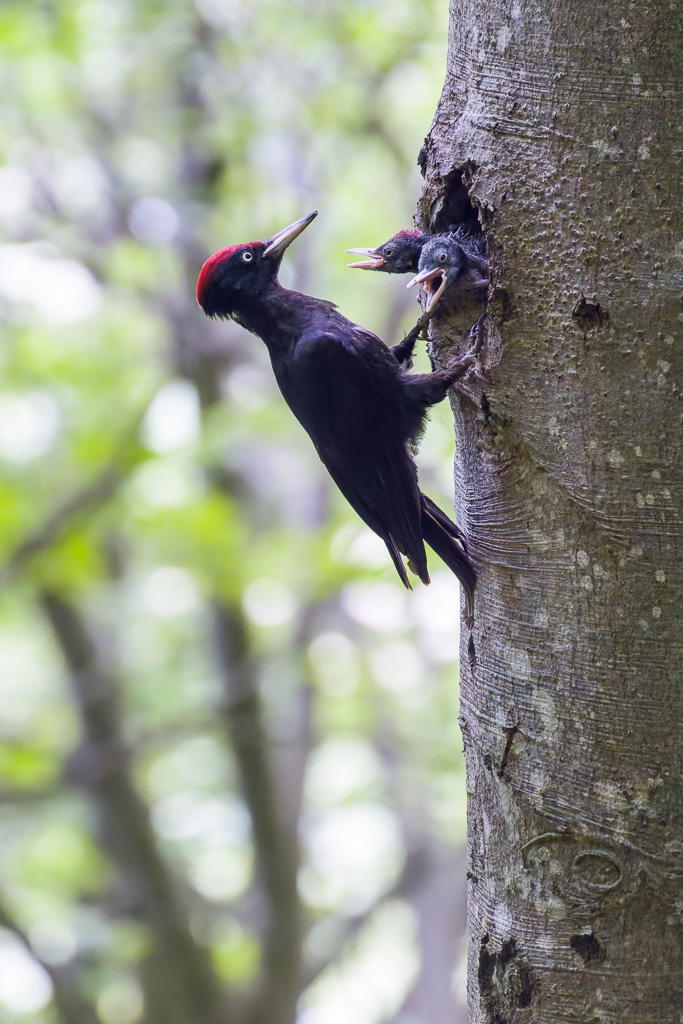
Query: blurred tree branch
78	505
24	795
414	869
437	894
82	502
274	831
180	984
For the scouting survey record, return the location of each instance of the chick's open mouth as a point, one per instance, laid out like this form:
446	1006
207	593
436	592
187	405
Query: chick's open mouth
374	262
434	282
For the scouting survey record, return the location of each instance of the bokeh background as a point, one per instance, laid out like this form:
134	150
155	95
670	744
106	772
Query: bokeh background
212	683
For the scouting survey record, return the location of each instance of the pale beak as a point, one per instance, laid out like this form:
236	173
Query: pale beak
373	263
277	244
434	281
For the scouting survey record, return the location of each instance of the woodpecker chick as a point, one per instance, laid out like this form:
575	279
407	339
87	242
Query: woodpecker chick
361	408
400	255
455	275
474	241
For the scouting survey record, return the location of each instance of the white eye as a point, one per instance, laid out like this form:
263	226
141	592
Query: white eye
442	257
388	252
247	256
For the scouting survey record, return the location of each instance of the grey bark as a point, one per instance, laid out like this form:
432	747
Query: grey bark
562	124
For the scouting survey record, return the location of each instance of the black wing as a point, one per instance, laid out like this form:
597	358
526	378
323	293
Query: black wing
344	388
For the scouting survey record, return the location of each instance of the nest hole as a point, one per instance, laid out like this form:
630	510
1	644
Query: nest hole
454	208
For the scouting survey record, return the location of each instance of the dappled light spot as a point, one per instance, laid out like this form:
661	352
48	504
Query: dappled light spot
162	483
236	951
370	984
120	1002
367	551
397	666
148	164
334	659
222	14
25	986
249	385
61	291
28	680
80	186
269	603
222	873
54	941
28	425
15	195
380	606
170	592
153	220
352	851
447	802
342	769
198	761
189	813
173	418
436	612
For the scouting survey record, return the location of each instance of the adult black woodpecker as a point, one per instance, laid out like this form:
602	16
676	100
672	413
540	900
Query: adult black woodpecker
361	408
399	255
454	272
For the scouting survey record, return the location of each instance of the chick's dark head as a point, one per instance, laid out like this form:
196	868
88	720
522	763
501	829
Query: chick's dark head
442	261
399	255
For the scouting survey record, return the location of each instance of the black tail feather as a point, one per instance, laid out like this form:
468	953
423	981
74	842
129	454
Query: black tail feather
430	506
398	562
445	542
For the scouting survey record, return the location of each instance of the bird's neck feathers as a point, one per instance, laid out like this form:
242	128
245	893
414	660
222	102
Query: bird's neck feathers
279	316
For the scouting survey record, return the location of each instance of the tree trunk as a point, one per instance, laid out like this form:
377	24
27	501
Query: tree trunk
562	125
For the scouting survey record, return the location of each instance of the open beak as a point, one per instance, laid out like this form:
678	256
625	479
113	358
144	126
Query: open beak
373	263
276	244
434	282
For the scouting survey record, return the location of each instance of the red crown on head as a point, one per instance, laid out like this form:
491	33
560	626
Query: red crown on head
209	268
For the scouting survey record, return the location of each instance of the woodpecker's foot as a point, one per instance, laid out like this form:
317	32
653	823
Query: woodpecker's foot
404	350
457	370
461	366
470	361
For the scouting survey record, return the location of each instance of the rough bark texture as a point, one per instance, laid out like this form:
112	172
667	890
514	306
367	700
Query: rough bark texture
562	124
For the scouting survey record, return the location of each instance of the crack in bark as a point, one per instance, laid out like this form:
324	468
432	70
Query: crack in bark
510	732
471	652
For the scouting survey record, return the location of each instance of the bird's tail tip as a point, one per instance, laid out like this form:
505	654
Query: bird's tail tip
422	573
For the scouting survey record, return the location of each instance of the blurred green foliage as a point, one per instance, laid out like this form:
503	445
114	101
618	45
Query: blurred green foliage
151	474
